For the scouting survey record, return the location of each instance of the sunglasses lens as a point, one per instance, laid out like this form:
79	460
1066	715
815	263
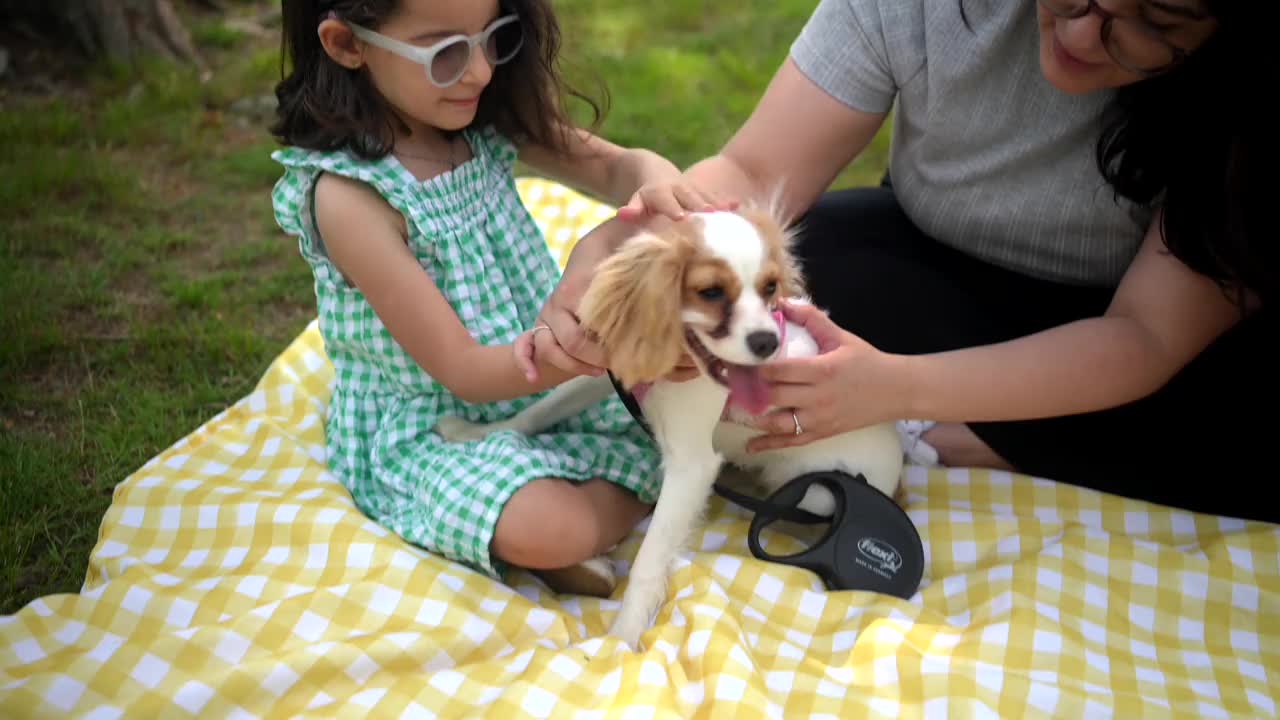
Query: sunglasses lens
504	43
450	63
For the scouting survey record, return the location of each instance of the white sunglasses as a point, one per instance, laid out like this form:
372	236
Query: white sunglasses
446	61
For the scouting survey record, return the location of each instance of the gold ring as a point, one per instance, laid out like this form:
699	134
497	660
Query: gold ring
536	328
796	420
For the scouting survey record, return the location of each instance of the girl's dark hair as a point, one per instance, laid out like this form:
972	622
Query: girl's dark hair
325	106
1196	142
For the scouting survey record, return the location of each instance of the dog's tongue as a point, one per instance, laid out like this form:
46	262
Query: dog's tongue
747	389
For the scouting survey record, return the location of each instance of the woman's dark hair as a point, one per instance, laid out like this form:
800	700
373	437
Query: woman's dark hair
1196	142
325	106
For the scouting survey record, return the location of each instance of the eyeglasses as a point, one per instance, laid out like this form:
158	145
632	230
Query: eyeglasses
1132	42
446	61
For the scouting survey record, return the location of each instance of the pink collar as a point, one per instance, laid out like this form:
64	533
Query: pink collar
639	390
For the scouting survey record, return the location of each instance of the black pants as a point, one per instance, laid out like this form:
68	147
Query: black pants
1203	442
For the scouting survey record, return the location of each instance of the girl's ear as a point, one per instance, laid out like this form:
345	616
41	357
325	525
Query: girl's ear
633	307
340	44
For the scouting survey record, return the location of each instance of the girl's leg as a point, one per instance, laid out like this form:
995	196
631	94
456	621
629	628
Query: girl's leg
557	527
552	523
881	278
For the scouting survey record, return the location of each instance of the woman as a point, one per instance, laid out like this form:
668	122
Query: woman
1098	328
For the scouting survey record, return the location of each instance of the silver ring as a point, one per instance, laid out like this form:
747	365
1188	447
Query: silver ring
536	328
796	420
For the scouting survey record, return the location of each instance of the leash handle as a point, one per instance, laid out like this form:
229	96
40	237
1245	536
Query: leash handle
767	506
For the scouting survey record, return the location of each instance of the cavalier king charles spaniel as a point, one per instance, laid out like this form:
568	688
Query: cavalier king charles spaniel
708	285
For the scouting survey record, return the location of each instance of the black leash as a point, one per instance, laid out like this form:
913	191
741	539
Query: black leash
792	514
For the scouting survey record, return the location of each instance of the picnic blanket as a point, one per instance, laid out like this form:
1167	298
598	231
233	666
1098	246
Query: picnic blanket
233	578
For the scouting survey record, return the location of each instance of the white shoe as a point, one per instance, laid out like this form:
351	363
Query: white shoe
917	450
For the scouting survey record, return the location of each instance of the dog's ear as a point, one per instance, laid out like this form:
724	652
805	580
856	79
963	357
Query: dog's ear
791	282
633	306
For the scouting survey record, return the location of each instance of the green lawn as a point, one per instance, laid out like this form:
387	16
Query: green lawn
145	285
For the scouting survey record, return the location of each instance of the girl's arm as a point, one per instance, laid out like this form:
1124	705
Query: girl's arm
365	239
613	173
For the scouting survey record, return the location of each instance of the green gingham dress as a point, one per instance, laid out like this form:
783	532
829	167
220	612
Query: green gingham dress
472	234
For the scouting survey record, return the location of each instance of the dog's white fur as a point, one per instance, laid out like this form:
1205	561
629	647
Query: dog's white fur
686	417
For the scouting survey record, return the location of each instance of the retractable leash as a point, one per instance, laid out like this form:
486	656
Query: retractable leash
870	545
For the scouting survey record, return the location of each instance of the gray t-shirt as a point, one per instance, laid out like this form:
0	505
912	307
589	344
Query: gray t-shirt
986	156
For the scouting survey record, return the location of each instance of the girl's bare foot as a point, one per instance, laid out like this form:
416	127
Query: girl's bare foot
593	576
949	444
959	446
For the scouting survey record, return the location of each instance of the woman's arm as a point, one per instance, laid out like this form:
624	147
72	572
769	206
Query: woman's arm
365	239
796	141
599	167
1163	315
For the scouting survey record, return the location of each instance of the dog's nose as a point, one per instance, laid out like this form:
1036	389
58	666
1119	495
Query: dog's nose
762	343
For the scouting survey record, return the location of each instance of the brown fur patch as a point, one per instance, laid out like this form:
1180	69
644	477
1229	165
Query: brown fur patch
705	273
781	266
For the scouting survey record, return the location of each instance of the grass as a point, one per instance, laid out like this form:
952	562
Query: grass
144	282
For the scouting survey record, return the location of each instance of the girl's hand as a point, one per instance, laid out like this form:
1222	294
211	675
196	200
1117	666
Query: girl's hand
525	351
673	198
528	347
848	385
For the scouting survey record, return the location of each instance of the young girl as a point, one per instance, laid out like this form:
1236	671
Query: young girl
402	119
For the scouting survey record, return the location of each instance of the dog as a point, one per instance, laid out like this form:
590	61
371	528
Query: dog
707	285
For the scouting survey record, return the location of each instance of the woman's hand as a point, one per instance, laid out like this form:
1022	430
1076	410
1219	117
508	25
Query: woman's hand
848	385
673	198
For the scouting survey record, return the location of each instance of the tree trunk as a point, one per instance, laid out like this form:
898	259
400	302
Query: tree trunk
119	31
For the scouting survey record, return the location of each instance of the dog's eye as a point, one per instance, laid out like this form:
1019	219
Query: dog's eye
715	292
770	288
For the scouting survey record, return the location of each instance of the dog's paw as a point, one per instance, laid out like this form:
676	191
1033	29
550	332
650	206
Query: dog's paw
456	429
628	628
819	501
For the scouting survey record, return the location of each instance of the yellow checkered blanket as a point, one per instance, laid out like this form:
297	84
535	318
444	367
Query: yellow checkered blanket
233	577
